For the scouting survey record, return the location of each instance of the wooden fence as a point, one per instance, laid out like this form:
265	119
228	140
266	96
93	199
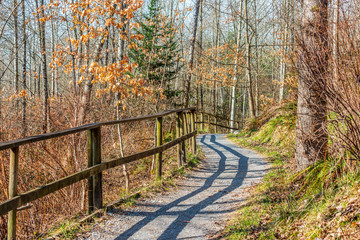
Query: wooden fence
185	129
217	121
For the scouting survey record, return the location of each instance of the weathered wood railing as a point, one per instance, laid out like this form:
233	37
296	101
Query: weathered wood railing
214	121
185	129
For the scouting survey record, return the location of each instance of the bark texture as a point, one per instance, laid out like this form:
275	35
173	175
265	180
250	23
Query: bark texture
311	135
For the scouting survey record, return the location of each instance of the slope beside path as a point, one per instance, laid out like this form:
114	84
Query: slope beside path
200	205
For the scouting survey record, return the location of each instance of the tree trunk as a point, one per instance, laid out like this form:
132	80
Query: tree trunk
45	76
335	40
192	51
219	86
52	91
73	61
256	104
125	172
311	135
39	81
201	95
236	72
284	42
16	48
41	26
23	122
244	105
86	96
248	62
121	55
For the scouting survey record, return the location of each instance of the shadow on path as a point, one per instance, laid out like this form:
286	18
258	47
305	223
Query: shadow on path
185	216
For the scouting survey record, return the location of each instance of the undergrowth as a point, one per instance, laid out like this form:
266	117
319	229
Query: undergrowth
321	202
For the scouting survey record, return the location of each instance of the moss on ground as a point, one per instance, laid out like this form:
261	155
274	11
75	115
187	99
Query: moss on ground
321	202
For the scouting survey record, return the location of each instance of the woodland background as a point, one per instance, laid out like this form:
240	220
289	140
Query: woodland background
67	63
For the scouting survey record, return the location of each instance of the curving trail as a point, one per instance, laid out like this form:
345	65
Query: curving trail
200	205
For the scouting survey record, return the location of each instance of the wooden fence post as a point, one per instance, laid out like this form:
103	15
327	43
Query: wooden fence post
208	123
14	162
190	126
90	179
228	124
179	134
158	143
185	126
98	199
190	123
193	129
189	119
202	120
183	144
216	124
186	122
95	199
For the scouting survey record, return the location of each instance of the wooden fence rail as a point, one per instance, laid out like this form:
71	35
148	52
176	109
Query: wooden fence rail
237	124
185	129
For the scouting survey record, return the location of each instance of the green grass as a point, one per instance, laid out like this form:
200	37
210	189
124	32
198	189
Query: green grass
289	205
254	219
65	230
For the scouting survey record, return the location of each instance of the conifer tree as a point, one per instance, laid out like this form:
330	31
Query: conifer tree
156	53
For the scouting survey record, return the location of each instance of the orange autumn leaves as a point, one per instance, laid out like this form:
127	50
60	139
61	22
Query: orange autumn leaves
94	29
115	78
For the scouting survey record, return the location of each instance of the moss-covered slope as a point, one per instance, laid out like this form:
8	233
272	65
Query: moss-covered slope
321	202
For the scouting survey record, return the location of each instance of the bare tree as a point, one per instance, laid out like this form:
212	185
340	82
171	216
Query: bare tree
311	136
284	41
192	51
236	70
248	61
335	39
24	69
16	47
42	42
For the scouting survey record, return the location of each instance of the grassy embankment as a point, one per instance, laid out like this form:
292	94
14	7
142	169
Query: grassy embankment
321	202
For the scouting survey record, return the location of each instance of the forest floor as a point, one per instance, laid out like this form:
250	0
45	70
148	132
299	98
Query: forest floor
199	206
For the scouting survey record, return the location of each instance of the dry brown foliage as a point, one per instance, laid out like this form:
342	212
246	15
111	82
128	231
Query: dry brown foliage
47	161
330	68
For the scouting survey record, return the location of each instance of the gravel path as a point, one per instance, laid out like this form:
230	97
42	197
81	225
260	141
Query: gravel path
200	205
